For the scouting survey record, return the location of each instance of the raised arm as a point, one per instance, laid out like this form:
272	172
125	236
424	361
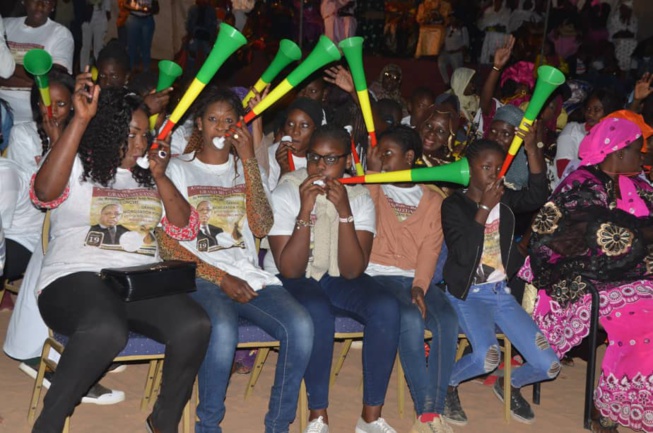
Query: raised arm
501	57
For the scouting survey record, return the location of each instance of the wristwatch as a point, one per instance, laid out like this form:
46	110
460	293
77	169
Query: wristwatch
349	219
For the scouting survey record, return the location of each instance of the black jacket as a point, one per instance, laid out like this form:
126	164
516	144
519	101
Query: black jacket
464	236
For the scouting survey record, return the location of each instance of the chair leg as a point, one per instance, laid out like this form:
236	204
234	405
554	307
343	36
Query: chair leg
346	345
186	417
66	426
38	384
591	361
507	367
156	385
461	347
303	407
536	392
401	388
261	356
149	385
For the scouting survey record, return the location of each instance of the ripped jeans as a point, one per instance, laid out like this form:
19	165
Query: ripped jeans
489	304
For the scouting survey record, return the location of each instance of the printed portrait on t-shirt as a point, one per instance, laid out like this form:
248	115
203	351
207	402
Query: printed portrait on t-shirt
221	215
124	220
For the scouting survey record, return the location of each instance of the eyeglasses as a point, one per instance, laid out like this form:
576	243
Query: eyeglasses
314	158
395	77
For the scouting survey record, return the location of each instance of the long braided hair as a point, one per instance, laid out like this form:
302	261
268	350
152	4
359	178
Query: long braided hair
104	143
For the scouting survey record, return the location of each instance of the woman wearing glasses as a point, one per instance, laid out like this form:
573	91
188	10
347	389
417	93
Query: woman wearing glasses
321	242
388	86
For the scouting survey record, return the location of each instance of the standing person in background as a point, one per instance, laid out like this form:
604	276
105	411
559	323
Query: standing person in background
623	26
493	22
240	9
140	31
121	22
456	41
431	17
94	29
35	30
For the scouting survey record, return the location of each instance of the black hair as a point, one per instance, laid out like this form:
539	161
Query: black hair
211	95
386	109
332	132
116	52
104	142
610	100
481	145
54	76
406	137
143	83
422	91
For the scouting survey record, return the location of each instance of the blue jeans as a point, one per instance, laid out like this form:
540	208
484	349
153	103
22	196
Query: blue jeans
489	304
140	31
363	300
427	383
278	314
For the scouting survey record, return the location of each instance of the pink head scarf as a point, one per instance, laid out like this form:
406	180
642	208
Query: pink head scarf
607	136
520	72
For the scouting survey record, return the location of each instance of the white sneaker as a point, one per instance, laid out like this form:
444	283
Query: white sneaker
31	372
98	394
378	426
438	425
317	426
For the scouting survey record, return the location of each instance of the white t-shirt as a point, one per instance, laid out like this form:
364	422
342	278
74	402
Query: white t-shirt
82	240
286	203
404	202
406	121
275	169
490	269
225	241
7	62
22	220
567	147
51	37
180	137
25	147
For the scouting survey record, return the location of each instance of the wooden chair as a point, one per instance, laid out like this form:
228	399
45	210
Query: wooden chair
463	343
138	348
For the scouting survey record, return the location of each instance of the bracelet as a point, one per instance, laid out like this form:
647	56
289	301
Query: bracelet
349	219
482	206
301	224
496	69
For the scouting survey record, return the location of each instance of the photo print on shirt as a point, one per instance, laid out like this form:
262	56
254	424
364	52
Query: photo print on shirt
124	220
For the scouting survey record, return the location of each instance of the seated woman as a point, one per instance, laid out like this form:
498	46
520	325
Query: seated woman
596	232
93	167
321	242
225	186
304	115
478	229
404	255
29	141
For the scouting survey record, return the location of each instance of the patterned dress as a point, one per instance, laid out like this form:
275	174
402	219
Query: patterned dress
585	236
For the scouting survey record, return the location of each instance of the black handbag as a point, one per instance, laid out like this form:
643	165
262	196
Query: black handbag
136	283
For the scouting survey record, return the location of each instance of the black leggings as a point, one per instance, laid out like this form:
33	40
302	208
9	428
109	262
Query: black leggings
84	308
17	259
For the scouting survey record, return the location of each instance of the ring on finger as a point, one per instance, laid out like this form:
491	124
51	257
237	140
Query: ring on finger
235	136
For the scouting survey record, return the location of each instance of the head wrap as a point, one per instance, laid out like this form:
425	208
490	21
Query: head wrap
520	72
308	106
468	103
391	67
606	137
637	119
510	114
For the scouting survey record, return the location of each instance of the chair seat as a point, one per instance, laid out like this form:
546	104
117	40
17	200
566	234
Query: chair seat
347	325
248	333
137	344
